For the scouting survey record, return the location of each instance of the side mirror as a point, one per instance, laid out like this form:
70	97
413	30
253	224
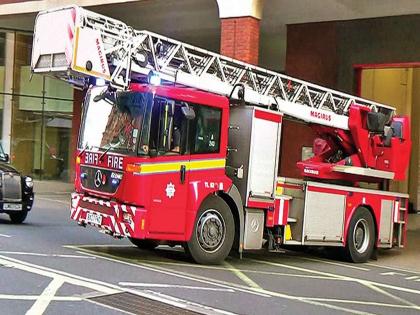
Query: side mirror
188	112
4	158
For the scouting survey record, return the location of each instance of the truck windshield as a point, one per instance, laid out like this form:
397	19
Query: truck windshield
117	122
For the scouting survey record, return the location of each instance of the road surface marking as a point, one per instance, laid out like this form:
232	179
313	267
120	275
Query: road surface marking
392	273
362	303
51	273
35	297
41	304
159	285
393	268
412	278
191	265
339	277
5	235
271	273
397	298
237	287
249	282
332	263
99	286
45	255
170	272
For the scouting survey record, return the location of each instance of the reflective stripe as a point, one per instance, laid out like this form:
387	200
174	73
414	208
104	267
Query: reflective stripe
168	167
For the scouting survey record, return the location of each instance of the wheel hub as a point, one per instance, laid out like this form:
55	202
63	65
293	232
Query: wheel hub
361	236
211	230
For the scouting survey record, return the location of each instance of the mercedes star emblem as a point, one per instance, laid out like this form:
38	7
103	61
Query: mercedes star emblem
99	179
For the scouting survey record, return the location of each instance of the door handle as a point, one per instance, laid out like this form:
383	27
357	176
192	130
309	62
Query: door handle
183	171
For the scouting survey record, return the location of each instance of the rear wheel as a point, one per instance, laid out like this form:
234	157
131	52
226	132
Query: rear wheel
18	217
360	236
144	244
213	233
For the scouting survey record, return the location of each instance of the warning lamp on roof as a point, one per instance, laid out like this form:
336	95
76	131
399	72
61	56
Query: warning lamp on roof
153	78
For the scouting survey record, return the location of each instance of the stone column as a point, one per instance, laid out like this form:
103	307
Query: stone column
8	88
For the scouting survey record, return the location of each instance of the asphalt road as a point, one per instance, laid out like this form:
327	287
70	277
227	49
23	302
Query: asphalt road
49	265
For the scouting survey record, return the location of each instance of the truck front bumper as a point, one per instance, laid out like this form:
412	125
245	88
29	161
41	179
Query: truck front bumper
111	217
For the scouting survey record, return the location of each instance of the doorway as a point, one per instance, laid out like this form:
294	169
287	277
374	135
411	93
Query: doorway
397	85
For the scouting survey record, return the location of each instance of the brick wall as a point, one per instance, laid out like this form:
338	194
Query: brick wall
240	38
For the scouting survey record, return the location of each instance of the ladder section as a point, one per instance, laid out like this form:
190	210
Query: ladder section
400	222
98	46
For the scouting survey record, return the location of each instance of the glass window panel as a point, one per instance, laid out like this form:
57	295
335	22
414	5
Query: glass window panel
26	139
56	144
206	129
58	89
28	85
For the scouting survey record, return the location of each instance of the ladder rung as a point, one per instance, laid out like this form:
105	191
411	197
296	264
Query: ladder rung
184	64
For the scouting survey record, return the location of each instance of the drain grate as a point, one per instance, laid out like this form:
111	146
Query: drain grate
136	304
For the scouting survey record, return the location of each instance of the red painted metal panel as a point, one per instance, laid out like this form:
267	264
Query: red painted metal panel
268	116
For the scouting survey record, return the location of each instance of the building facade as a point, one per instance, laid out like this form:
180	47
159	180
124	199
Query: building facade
36	112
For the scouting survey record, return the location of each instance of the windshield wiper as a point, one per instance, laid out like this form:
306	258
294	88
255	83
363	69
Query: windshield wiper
83	150
107	150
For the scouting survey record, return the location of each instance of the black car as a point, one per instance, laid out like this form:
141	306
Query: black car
16	191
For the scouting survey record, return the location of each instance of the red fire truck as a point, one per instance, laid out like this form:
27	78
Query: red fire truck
181	145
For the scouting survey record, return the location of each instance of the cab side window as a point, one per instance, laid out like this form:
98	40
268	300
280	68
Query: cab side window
205	130
168	127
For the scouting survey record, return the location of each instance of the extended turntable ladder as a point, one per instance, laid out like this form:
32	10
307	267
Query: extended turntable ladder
74	44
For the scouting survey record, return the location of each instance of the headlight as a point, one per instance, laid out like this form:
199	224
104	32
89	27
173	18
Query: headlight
29	182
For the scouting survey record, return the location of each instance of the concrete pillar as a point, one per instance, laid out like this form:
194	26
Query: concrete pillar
8	88
240	29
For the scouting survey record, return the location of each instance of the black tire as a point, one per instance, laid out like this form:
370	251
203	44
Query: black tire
213	233
18	217
144	244
360	237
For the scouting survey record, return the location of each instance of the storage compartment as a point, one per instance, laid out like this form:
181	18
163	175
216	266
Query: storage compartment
324	217
254	143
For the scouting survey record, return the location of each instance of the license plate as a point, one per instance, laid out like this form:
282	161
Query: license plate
12	206
94	218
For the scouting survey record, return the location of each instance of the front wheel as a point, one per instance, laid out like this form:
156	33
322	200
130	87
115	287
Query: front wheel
213	233
18	217
360	236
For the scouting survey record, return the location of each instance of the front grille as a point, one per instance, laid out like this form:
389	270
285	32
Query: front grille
89	180
11	188
136	304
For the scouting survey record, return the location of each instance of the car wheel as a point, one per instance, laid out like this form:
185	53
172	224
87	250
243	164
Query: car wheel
213	234
360	236
144	244
18	217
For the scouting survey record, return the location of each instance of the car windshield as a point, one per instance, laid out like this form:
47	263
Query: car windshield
115	121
